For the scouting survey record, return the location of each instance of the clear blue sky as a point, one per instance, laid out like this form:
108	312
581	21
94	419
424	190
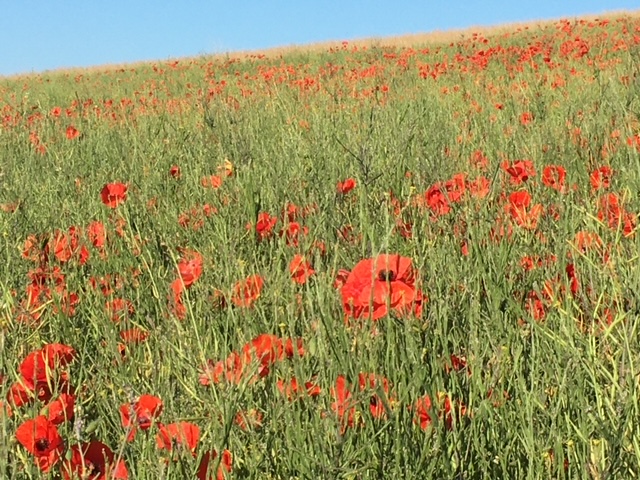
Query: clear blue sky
47	34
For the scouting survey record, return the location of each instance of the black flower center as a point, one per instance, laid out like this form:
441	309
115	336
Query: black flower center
386	275
42	445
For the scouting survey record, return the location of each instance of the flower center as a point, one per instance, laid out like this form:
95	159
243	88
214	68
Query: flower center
386	275
42	445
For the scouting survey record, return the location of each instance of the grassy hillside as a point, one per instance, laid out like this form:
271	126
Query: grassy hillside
363	262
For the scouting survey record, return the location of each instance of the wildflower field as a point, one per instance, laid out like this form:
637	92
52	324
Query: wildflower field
366	262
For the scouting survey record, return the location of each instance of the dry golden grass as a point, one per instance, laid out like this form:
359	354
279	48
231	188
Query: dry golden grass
410	40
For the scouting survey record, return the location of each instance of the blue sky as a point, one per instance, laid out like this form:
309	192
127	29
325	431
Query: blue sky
47	34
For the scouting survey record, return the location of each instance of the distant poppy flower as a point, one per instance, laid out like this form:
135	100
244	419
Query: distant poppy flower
9	207
479	160
601	178
211	181
134	335
525	217
176	304
182	434
42	440
140	414
292	233
247	291
119	309
554	176
378	284
437	200
457	363
93	460
300	269
422	411
208	460
5	411
72	132
174	171
346	186
96	234
190	268
613	213
480	187
293	390
450	410
266	349
526	118
370	382
519	171
264	225
113	194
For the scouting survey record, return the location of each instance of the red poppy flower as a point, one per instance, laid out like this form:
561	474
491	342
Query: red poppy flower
134	335
119	309
293	390
601	178
300	269
519	210
113	194
41	438
176	305
231	369
60	410
480	187
209	460
95	461
378	284
19	394
292	233
422	409
371	382
613	213
343	404
72	132
520	171
212	181
247	291
264	225
190	268
450	410
141	414
437	200
183	434
526	118
266	349
37	367
345	187
293	346
174	171
554	176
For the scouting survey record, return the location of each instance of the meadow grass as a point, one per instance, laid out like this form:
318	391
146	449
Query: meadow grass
539	365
